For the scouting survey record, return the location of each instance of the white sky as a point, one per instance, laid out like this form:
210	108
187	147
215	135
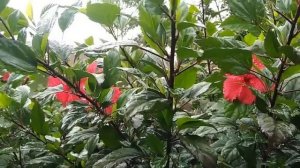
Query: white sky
81	28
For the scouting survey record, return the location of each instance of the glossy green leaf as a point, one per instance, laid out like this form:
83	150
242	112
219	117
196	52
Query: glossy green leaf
196	90
110	137
37	117
103	13
292	53
16	21
18	55
116	157
201	150
154	6
111	73
290	71
235	61
187	122
272	44
156	145
66	18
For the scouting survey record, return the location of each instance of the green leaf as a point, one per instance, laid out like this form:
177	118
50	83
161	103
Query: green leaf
16	21
71	119
250	39
249	154
217	42
29	10
236	110
3	4
290	71
154	6
196	90
110	137
66	18
291	53
37	117
237	24
46	161
234	61
156	145
18	55
277	131
187	122
48	19
186	79
201	150
5	101
184	25
103	13
272	44
145	101
116	157
111	73
252	11
184	53
21	94
210	28
82	135
284	5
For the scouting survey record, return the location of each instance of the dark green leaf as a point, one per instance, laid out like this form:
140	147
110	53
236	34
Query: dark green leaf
103	13
110	137
237	24
272	44
187	122
116	157
111	73
18	55
200	148
249	154
156	145
37	116
154	6
17	21
234	61
291	53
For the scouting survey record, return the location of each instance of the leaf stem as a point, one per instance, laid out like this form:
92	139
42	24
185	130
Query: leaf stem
8	30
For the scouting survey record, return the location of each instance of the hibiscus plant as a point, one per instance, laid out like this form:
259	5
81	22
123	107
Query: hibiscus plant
207	83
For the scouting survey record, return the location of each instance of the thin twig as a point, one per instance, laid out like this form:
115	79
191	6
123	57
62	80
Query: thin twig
285	17
6	27
187	68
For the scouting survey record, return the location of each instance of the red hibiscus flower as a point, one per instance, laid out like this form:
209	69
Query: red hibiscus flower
5	76
67	96
238	87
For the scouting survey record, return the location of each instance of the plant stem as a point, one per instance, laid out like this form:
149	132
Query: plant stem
172	74
284	60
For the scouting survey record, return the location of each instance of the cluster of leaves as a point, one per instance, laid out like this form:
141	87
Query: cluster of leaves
171	112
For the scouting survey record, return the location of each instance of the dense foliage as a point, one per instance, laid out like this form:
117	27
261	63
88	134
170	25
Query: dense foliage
214	84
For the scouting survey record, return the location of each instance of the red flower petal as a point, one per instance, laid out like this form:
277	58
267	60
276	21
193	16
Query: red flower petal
66	96
232	87
257	63
6	76
93	68
116	94
246	96
256	83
